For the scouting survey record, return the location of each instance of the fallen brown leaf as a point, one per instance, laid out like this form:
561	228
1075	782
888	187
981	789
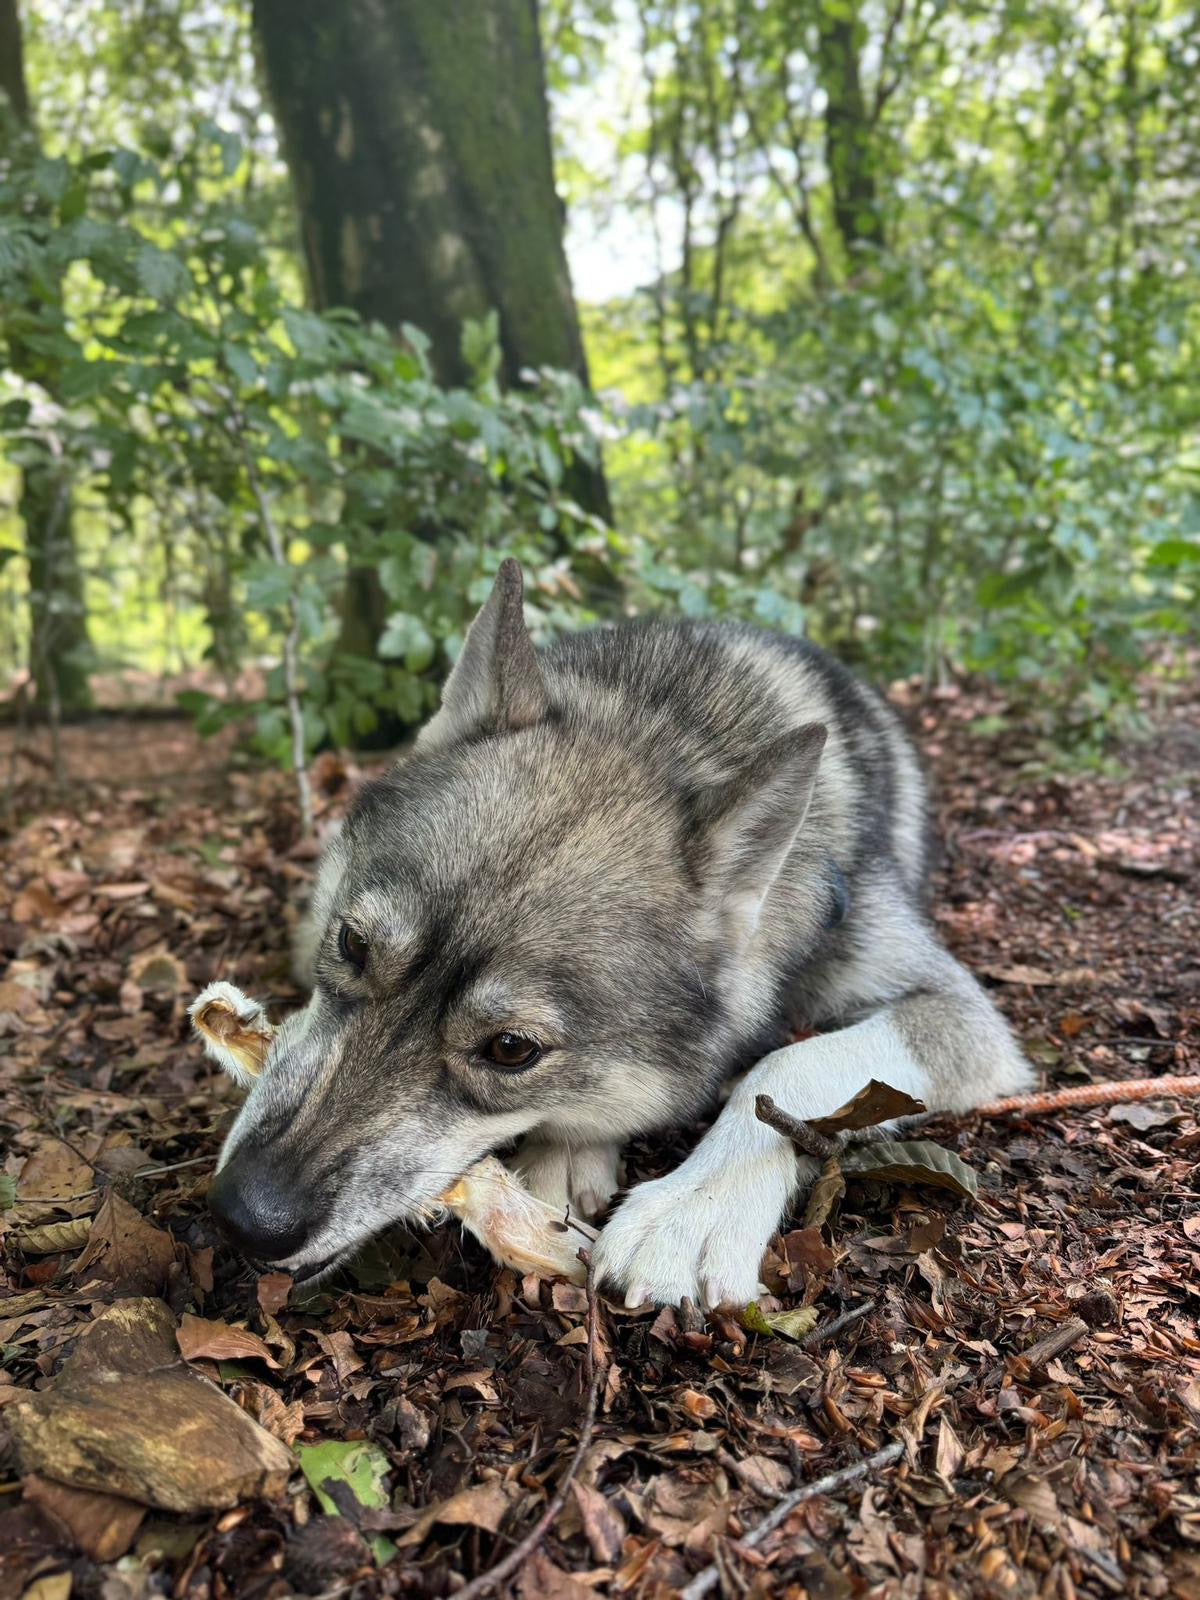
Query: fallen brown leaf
1037	977
485	1505
272	1292
102	1525
55	1236
604	1527
217	1341
125	1250
877	1102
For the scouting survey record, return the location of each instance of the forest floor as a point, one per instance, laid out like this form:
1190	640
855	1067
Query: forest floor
461	1389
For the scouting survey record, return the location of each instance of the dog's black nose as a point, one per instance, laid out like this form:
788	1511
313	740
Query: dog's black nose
257	1213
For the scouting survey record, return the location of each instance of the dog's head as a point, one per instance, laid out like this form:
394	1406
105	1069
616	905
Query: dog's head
514	929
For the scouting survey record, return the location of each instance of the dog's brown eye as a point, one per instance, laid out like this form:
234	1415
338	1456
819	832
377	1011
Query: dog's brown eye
352	946
511	1050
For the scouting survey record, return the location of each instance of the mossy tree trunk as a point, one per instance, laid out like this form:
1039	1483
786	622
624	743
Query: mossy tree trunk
60	650
851	144
418	139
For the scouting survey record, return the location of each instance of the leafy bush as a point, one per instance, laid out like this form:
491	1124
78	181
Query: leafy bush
937	480
927	469
189	381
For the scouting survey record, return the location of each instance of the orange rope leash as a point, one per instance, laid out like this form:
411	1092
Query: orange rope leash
1094	1094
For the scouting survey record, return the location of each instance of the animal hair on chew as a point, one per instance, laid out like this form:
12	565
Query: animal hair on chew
235	1030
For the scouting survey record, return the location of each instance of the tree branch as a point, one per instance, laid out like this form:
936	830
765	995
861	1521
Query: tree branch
291	656
830	1484
291	641
803	1136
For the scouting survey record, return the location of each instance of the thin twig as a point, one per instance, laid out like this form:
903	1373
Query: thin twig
800	1133
291	640
173	1166
830	1484
101	1188
1055	1342
592	1362
597	1375
291	650
826	1330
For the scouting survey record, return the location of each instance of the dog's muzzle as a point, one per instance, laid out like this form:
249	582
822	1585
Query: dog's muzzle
264	1217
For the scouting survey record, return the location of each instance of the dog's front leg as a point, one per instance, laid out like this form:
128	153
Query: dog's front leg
701	1231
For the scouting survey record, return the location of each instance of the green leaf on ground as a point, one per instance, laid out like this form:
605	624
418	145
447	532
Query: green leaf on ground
780	1324
362	1467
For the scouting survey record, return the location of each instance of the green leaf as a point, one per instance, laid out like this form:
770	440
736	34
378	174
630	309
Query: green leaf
909	1161
161	275
395	577
481	347
1173	553
82	380
362	1466
997	588
8	1192
780	1324
407	636
240	362
550	461
312	336
268	585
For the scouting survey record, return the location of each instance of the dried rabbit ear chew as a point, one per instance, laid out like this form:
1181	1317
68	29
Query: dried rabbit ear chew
520	1230
491	1202
235	1030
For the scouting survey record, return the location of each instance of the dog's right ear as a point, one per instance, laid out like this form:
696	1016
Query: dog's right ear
496	680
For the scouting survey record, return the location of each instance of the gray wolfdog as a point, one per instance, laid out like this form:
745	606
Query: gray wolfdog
609	876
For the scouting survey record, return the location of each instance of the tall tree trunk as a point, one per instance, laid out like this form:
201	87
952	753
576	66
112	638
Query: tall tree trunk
60	650
850	142
418	139
12	62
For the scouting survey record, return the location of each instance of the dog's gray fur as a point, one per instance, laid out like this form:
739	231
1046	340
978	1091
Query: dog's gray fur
655	850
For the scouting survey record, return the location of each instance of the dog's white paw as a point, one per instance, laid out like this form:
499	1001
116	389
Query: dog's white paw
696	1234
581	1179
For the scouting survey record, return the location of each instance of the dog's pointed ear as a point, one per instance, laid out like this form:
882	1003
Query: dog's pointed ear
749	824
496	680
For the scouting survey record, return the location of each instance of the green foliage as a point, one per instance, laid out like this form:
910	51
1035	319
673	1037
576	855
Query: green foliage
942	481
961	433
913	370
190	382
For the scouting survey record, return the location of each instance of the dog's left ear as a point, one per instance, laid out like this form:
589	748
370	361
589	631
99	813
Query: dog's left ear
496	679
749	825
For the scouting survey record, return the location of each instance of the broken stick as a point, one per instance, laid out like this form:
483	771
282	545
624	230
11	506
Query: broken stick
597	1377
830	1484
1054	1343
802	1135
